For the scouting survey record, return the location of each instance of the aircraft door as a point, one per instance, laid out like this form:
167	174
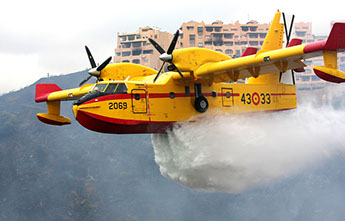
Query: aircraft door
227	97
139	103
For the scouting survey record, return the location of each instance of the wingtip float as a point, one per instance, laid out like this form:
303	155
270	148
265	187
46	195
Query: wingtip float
131	98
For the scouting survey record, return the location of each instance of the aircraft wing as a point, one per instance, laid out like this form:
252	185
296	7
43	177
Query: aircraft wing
272	58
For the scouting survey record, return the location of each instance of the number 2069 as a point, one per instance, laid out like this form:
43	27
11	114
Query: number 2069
117	105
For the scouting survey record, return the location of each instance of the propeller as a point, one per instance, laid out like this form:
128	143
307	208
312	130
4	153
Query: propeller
166	56
94	71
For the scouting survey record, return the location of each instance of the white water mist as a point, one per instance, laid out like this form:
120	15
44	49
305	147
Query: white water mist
232	153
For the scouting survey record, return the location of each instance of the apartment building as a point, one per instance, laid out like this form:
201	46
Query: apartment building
230	39
135	47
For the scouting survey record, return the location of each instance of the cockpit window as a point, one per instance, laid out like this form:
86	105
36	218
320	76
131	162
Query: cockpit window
121	89
103	89
99	87
111	88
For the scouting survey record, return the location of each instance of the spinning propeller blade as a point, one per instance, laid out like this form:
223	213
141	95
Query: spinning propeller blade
92	62
166	56
95	71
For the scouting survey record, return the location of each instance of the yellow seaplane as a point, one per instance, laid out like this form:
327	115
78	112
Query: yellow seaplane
131	98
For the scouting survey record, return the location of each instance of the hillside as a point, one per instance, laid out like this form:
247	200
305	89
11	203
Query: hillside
70	173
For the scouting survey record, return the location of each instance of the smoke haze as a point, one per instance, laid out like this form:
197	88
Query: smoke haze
233	153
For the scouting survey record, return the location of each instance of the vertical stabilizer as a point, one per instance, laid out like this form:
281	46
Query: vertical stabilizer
275	35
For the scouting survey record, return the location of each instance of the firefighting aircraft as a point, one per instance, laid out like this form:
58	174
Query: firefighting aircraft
131	98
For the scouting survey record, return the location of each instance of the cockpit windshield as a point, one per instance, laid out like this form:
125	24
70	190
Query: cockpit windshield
103	89
111	88
99	87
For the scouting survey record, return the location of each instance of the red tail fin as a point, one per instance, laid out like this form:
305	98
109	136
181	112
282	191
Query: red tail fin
43	91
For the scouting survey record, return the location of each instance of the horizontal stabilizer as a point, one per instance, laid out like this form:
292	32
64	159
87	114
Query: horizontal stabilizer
249	51
330	74
43	91
53	119
295	42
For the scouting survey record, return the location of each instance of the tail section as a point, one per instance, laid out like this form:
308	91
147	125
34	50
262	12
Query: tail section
273	41
44	90
334	43
53	116
275	35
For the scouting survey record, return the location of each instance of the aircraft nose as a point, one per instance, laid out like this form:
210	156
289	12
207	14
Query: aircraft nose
75	110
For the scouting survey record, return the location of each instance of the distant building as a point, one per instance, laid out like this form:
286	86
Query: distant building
230	39
135	47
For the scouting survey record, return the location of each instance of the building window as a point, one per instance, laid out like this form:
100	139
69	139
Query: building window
192	44
300	33
200	36
318	62
131	37
200	29
217	36
308	62
190	28
191	37
219	50
253	43
136	52
118	54
228	43
253	35
209	29
200	44
126	45
125	61
208	42
315	78
217	43
228	36
181	36
217	29
263	35
253	28
126	53
123	38
148	51
136	44
136	61
244	28
228	51
207	36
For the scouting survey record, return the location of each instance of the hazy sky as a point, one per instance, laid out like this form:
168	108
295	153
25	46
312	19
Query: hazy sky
39	37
